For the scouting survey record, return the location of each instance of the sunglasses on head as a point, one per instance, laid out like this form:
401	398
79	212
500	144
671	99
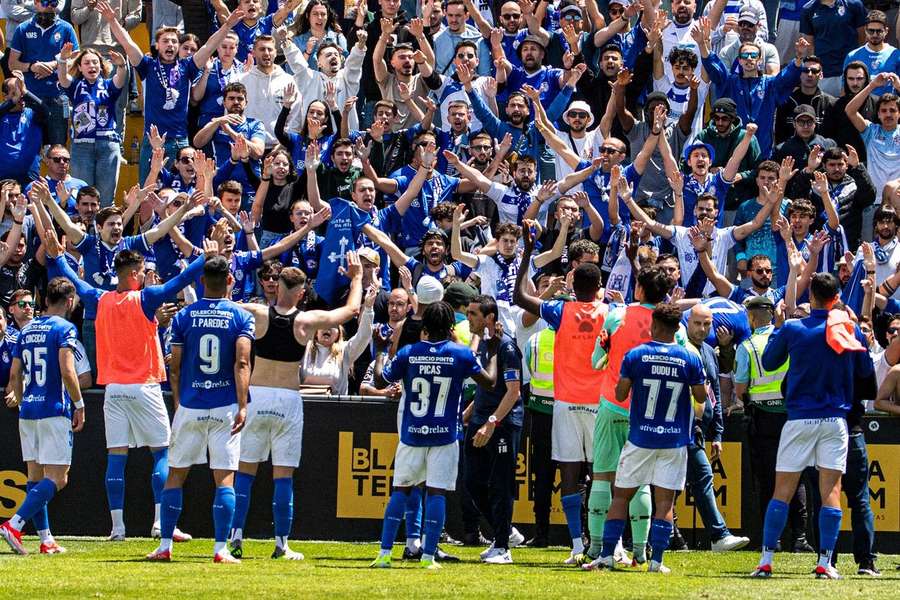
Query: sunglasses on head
23	304
60	159
749	55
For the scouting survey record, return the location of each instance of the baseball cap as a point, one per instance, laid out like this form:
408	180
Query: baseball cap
569	8
429	290
749	15
759	302
371	255
533	39
691	147
622	3
805	110
459	293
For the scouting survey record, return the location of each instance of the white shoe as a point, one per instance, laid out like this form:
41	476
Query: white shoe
828	572
287	554
603	562
621	556
484	553
515	538
177	536
116	536
729	543
498	556
575	558
658	567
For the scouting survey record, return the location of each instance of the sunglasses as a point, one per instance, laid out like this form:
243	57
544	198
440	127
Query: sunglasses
804	122
578	114
616	11
749	55
609	150
762	271
572	17
178	203
271	277
746	24
811	70
480	148
23	304
60	159
510	16
875	31
892	330
53	3
186	160
721	118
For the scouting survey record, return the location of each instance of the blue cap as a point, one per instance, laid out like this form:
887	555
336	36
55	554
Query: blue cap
691	147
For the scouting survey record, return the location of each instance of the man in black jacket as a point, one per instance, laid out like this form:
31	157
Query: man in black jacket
808	93
837	125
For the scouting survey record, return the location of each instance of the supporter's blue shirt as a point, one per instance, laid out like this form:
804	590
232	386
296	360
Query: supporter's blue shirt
173	180
819	380
887	60
834	31
99	260
509	370
6	352
72	186
739	294
597	188
432	376
94	109
305	255
38	348
36	44
460	270
211	104
662	407
440	188
20	144
251	129
545	80
246	34
714	184
167	89
207	331
341	235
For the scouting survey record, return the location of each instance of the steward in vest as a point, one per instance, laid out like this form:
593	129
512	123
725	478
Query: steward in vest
762	393
539	404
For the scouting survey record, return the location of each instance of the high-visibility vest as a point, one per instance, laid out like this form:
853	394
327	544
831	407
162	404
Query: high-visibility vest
765	386
541	364
633	331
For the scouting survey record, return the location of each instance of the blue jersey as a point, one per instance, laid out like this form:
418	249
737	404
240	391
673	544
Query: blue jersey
38	346
99	260
36	44
211	104
207	331
597	188
728	314
94	109
440	188
167	88
6	352
662	409
247	34
432	375
341	236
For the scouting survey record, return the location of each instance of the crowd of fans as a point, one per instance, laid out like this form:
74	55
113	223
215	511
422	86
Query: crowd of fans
740	146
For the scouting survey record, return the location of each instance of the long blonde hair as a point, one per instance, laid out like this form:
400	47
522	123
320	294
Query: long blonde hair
337	348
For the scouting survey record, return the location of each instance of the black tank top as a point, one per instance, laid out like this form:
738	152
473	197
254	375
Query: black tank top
279	342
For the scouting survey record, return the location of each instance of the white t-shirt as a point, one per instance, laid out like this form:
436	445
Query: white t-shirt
586	148
512	203
723	240
679	36
678	100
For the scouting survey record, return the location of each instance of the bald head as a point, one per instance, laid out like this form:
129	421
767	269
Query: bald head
699	323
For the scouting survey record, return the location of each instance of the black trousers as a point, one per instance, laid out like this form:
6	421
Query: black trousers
765	432
540	426
491	478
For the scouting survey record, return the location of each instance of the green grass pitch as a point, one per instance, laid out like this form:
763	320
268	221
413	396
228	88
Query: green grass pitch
100	569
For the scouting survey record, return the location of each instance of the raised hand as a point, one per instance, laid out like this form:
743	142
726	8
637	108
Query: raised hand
362	36
311	160
787	170
547	190
533	94
852	157
210	247
416	27
116	58
815	158
751	129
818	241
319	217
698	239
156	140
289	95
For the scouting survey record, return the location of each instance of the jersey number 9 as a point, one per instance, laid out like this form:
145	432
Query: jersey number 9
209	354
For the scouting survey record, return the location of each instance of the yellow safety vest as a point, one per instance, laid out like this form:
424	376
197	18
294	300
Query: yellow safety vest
765	386
541	367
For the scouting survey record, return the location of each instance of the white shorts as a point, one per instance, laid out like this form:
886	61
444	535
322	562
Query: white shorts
196	430
135	416
435	465
274	424
573	431
662	467
818	443
46	441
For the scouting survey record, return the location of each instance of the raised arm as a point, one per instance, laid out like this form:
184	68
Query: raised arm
734	162
132	50
482	183
456	251
638	213
381	70
548	256
852	108
397	256
322	319
772	195
202	55
521	296
703	248
73	233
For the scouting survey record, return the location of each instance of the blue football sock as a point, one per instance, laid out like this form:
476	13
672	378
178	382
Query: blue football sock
435	515
393	513
36	499
243	483
660	532
170	509
115	480
283	506
413	513
160	473
41	519
829	528
223	512
572	509
612	531
776	517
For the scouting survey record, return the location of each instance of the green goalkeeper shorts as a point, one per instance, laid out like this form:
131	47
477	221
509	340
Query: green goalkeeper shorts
610	435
